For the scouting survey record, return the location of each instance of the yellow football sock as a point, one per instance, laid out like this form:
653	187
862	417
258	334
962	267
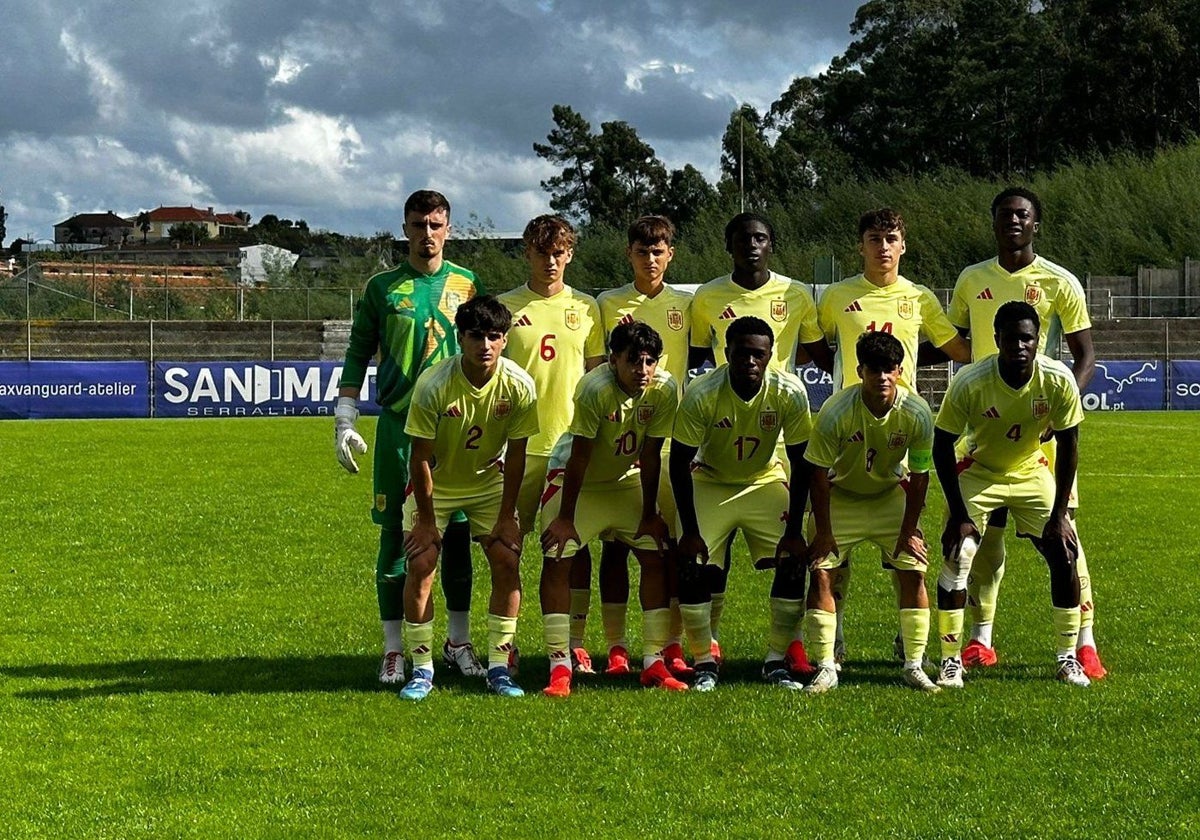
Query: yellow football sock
914	630
501	631
1087	609
654	634
819	629
420	643
718	607
556	628
614	617
983	584
950	628
675	628
697	621
785	615
580	602
1066	629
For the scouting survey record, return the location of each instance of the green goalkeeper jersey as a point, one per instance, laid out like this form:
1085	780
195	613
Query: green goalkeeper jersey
408	317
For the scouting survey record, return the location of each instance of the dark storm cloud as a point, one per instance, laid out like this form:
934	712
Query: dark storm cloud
344	104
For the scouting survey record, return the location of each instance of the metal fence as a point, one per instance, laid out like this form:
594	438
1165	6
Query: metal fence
80	300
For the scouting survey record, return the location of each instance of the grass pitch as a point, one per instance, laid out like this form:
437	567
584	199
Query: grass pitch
189	641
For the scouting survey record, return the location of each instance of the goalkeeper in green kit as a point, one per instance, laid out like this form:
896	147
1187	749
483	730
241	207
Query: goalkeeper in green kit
406	314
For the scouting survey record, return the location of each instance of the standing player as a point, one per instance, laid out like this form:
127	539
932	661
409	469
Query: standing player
881	299
864	441
468	412
752	289
1017	273
1006	403
406	314
668	310
734	417
604	481
557	336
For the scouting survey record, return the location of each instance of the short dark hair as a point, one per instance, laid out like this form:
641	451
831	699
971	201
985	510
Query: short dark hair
484	313
649	230
741	219
885	219
748	325
1014	312
425	201
634	338
1019	192
547	231
879	350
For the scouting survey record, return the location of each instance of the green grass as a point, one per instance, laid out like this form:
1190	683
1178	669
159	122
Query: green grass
189	640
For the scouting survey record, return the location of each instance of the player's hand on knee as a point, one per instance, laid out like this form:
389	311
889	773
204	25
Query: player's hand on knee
821	547
346	440
955	534
1060	533
422	537
692	554
556	536
656	528
911	542
507	532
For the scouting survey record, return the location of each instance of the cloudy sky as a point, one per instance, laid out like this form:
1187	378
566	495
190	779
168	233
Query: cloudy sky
334	111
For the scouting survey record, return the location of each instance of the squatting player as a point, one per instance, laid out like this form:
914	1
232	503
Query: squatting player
467	412
1006	403
872	446
1017	273
406	314
669	311
734	418
604	479
753	289
881	299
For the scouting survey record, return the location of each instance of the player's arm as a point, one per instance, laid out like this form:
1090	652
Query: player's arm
791	545
691	546
818	352
652	524
959	524
507	529
911	541
423	536
823	543
592	362
928	355
1083	353
1059	529
562	530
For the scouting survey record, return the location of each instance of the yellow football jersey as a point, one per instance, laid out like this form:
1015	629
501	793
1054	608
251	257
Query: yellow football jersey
551	338
1054	292
865	454
470	426
1006	425
669	312
737	439
786	305
903	309
618	423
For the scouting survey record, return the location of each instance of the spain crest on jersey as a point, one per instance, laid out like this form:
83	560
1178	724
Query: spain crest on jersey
904	308
897	440
768	420
572	319
1033	295
645	413
675	319
779	310
502	408
1041	407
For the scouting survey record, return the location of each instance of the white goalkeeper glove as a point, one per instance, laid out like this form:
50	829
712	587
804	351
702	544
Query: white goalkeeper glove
347	441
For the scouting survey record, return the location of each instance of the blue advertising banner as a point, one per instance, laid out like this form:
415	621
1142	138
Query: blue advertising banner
1127	386
62	390
1185	384
818	383
252	389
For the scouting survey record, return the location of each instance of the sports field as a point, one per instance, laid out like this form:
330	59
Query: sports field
189	638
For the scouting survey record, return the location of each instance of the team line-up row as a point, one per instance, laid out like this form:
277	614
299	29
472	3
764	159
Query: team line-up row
543	398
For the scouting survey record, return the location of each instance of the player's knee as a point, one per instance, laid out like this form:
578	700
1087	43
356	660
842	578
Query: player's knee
953	576
715	577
